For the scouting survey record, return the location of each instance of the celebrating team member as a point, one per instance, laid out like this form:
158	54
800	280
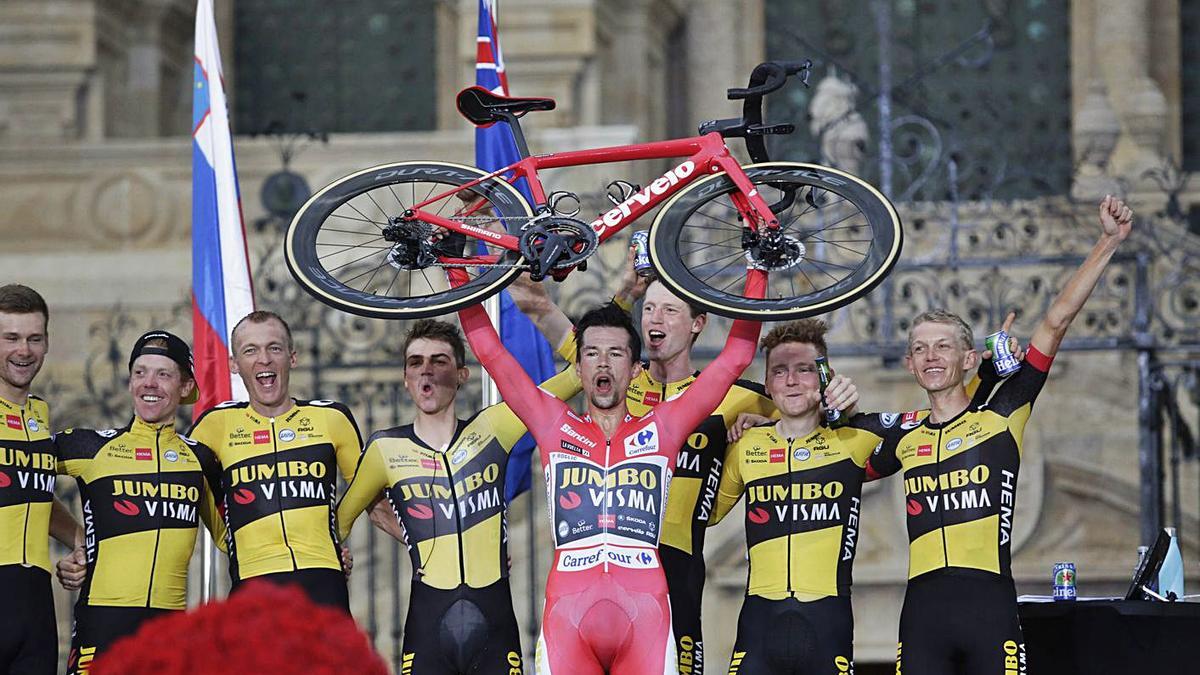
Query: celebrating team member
669	328
608	472
279	458
804	487
444	480
960	478
144	490
29	514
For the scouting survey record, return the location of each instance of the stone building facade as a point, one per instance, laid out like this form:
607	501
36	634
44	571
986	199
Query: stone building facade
95	180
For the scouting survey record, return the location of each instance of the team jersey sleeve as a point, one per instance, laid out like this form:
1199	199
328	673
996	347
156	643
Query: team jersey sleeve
731	487
704	395
207	429
882	459
1014	399
568	349
983	383
76	447
530	403
370	478
347	441
508	428
214	495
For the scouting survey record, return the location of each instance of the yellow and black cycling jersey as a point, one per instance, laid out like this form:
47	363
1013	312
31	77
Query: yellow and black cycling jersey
279	476
960	476
803	500
144	489
28	463
450	502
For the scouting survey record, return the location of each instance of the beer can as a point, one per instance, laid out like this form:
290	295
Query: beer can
1064	581
1002	358
641	254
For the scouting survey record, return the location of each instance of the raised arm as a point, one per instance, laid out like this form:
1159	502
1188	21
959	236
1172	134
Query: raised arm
705	394
533	300
1116	219
530	403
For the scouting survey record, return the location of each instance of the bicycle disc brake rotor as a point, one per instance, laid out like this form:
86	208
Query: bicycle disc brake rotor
411	246
774	252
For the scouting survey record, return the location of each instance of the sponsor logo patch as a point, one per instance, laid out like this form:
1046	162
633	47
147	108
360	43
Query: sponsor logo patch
14	422
924	450
954	444
261	436
910	420
430	464
287	435
33	424
777	455
171	456
801	454
888	420
652	398
459	456
643	442
143	454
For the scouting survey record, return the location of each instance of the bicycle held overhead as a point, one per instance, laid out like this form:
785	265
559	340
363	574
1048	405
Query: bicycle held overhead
378	242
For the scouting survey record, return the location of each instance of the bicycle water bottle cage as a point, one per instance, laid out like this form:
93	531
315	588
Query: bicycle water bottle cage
619	191
483	107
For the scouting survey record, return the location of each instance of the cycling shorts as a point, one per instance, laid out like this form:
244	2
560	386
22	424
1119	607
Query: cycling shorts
778	637
607	627
28	632
322	586
960	622
98	627
462	630
685	584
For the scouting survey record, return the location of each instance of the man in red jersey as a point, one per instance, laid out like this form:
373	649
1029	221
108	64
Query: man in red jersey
607	476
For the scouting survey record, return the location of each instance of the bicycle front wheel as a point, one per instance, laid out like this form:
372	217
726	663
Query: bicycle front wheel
841	237
350	248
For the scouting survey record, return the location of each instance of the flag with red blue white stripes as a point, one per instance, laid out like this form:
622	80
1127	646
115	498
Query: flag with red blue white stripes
495	149
222	292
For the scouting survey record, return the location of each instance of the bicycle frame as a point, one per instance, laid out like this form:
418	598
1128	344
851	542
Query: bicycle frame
705	155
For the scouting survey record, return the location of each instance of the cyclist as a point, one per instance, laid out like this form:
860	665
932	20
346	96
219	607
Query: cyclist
960	474
29	513
443	479
669	329
280	458
608	472
144	489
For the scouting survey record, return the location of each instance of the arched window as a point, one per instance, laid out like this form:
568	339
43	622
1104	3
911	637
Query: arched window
353	65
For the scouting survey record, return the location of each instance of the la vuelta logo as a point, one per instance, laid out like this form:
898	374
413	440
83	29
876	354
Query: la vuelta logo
659	187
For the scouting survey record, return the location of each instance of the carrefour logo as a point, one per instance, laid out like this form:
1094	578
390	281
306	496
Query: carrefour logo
644	442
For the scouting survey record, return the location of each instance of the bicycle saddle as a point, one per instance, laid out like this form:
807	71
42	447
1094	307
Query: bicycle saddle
483	107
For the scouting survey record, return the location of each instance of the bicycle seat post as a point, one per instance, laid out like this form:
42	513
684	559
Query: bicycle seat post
518	135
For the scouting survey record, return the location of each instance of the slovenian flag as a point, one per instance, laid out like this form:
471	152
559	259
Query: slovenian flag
221	288
495	149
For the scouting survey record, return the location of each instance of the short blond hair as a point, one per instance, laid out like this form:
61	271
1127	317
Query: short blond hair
946	317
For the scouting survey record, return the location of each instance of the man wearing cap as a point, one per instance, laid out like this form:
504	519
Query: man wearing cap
144	489
28	510
280	458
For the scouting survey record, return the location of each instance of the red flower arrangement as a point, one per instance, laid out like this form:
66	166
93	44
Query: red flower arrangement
262	628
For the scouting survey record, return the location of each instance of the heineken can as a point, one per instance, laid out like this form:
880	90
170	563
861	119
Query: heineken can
1002	357
833	416
1064	581
641	254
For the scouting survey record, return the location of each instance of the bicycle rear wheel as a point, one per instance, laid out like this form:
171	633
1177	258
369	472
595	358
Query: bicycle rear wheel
349	248
841	238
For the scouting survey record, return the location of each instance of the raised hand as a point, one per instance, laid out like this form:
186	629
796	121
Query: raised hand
1116	218
633	285
1014	345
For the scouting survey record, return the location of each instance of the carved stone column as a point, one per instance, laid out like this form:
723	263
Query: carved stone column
1095	133
47	54
1121	43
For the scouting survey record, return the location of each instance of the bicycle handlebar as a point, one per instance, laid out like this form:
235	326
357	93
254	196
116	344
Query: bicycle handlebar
769	76
766	78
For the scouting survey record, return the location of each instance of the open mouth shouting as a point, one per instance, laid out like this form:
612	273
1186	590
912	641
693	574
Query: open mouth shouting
655	338
604	384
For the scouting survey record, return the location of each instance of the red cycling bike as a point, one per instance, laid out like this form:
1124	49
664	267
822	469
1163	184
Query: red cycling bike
377	242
